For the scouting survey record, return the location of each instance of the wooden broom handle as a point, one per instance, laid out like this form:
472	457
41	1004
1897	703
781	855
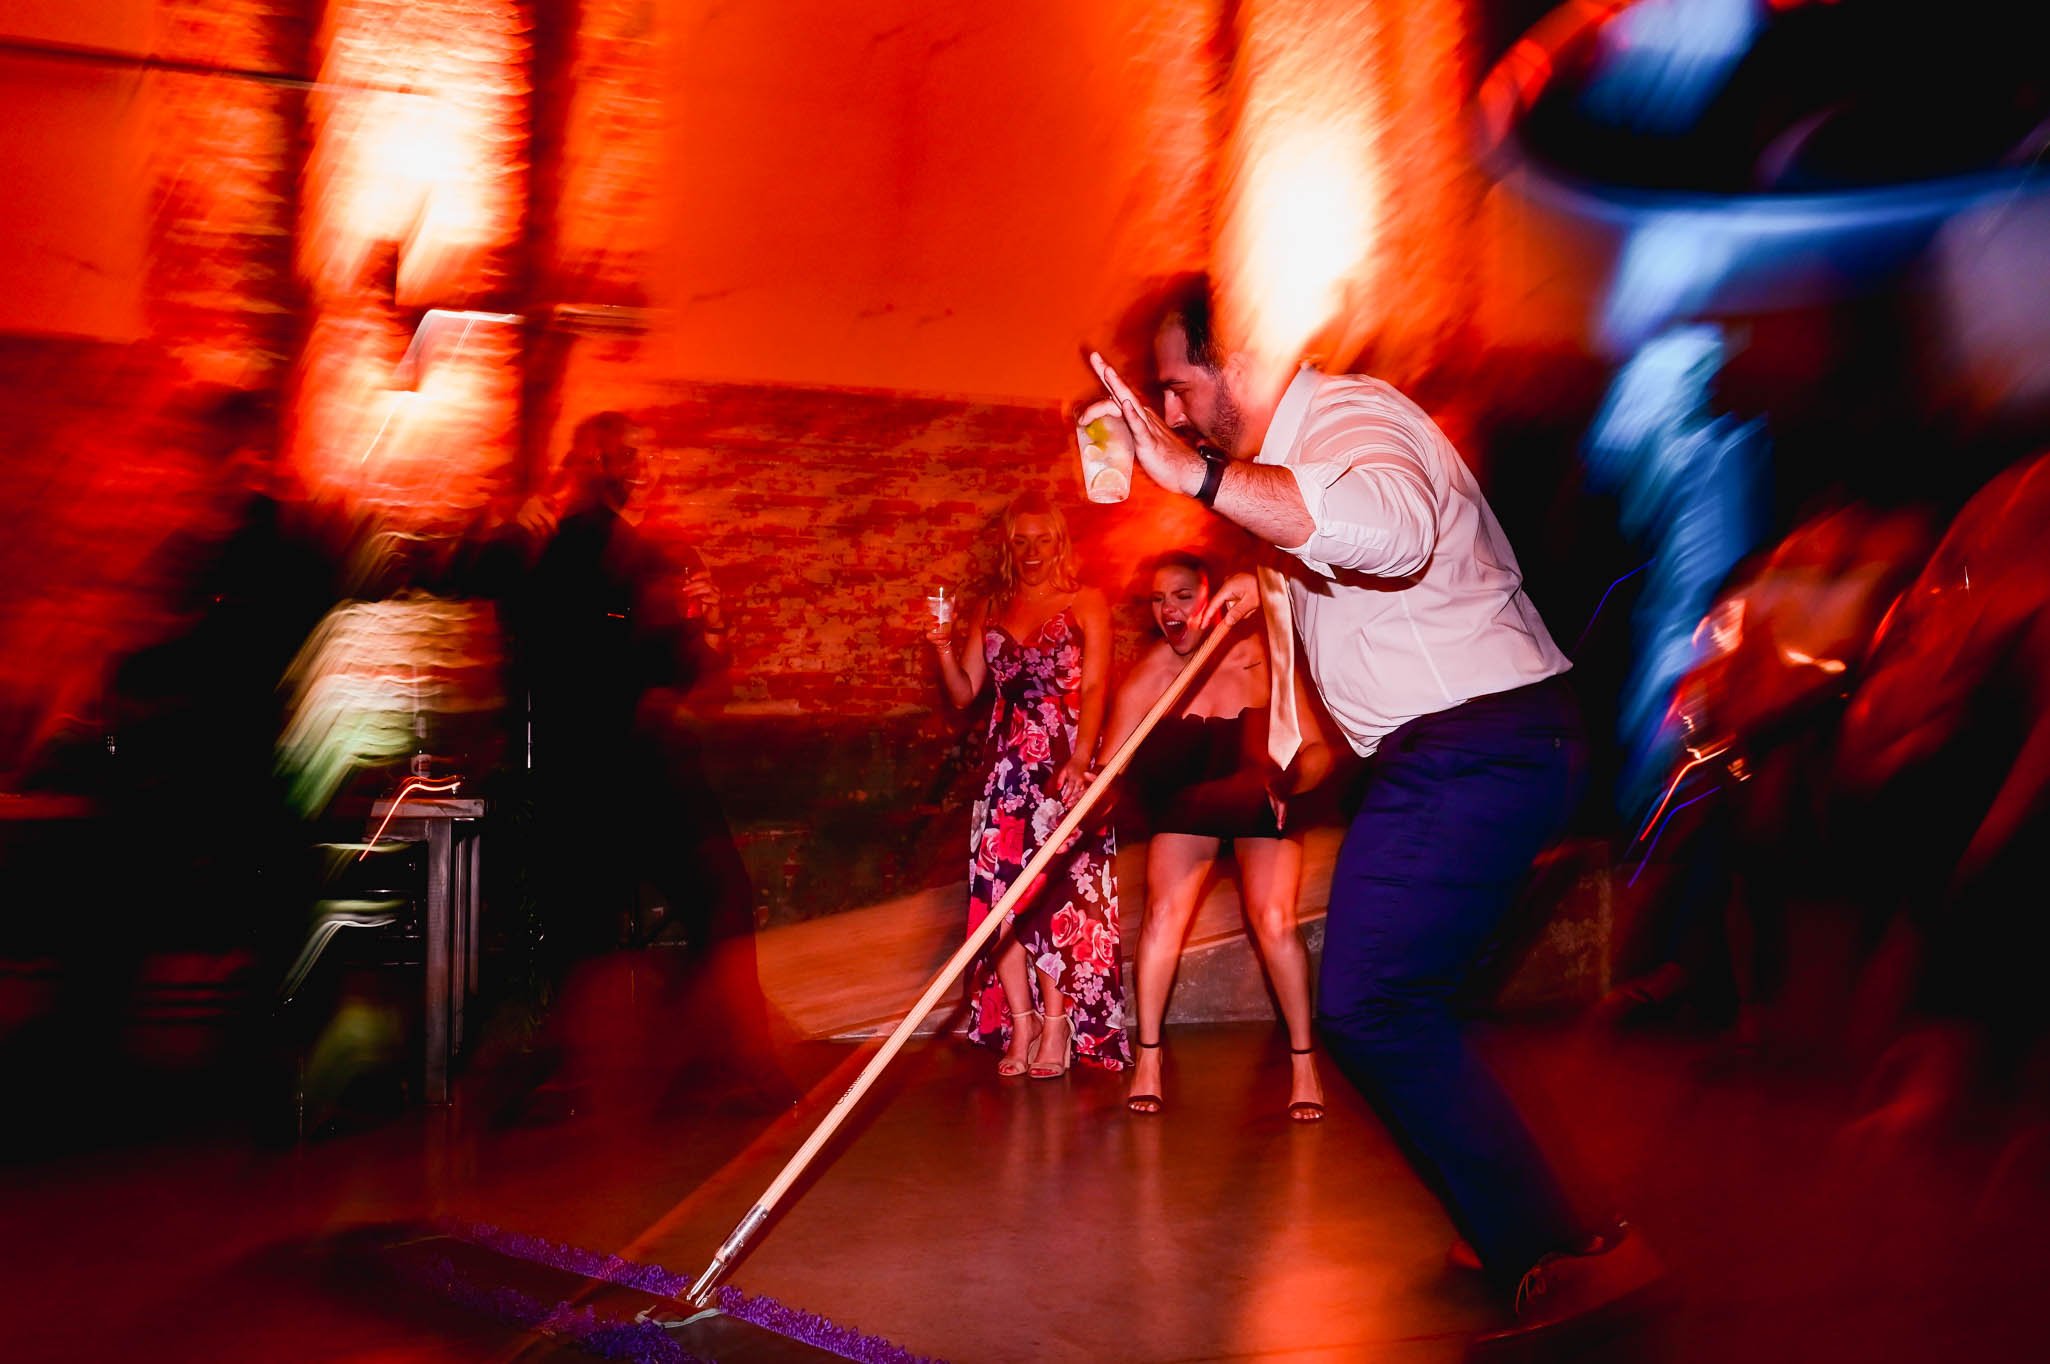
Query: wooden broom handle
731	1248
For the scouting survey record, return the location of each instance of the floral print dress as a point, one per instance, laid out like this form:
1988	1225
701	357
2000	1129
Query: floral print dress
1069	927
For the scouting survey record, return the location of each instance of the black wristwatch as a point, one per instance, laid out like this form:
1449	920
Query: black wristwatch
1213	475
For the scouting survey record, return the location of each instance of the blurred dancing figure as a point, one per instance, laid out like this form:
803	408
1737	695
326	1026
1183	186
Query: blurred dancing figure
611	632
1690	484
1951	725
606	624
1758	716
194	725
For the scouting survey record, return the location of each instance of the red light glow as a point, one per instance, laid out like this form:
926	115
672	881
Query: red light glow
412	786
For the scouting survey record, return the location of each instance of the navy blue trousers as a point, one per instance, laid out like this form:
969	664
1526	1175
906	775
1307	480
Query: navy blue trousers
1457	806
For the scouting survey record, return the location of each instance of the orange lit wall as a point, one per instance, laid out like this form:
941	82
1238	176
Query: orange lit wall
414	199
1349	193
181	227
776	234
1429	294
929	198
223	182
72	145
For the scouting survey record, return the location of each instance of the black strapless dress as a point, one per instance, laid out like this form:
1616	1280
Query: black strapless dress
1202	774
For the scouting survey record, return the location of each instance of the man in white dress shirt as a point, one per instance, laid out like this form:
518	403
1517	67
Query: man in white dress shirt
1410	611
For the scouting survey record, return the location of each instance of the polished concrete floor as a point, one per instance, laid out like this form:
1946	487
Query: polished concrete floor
973	1219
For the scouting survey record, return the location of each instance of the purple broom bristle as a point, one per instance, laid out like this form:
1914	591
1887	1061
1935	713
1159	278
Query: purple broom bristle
637	1342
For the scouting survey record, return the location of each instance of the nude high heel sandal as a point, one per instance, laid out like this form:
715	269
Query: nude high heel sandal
1046	1070
1010	1069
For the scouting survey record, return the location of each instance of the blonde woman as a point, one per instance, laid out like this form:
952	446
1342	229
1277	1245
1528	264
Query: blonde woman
1050	992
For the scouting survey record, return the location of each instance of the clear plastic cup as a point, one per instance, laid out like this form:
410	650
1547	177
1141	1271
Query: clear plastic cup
940	601
692	610
1105	445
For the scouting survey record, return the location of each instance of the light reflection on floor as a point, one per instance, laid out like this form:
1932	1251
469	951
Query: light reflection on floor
980	1220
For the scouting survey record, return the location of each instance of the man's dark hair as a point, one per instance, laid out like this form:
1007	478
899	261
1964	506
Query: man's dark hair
1184	300
601	426
1188	303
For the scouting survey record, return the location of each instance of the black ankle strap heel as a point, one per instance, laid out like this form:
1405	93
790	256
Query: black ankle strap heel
1146	1105
1305	1110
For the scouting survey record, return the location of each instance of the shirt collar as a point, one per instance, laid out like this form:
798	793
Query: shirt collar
1288	417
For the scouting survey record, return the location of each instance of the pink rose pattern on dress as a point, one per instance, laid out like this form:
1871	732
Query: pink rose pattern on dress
1070	926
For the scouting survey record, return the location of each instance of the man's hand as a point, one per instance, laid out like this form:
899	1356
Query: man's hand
700	599
1236	598
537	517
1166	457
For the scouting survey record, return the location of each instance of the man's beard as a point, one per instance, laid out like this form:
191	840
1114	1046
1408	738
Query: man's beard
1228	423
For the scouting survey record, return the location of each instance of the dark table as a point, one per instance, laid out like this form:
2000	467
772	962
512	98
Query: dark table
452	828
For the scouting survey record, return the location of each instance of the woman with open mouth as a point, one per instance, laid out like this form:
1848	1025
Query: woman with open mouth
1201	779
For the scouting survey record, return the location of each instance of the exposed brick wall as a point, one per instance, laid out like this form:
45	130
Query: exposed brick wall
100	464
224	158
91	490
416	198
610	169
1346	213
1429	292
828	515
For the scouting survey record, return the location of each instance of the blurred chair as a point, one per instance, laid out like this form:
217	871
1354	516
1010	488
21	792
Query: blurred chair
329	918
370	892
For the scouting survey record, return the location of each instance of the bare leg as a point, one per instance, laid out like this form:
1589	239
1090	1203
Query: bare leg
1270	871
1175	867
1025	1028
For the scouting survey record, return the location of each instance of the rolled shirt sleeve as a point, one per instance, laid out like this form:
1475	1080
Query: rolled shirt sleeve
1371	499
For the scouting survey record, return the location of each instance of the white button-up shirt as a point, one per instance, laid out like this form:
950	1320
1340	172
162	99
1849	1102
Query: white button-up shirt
1407	597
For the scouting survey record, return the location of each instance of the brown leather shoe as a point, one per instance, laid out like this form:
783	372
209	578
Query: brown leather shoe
1565	1293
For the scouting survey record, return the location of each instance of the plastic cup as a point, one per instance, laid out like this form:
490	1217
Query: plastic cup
692	610
940	601
1106	449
